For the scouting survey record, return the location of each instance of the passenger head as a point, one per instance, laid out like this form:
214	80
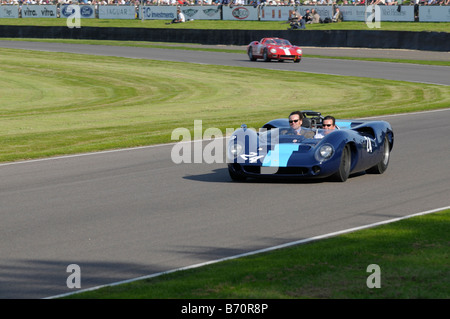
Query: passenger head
329	122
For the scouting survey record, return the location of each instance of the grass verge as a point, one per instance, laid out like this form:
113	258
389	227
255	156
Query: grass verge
413	256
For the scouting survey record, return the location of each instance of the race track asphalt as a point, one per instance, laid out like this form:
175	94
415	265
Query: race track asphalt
130	213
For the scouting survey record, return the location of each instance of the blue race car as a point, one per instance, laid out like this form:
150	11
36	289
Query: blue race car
277	151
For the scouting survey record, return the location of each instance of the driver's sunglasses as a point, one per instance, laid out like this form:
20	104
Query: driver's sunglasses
325	125
293	121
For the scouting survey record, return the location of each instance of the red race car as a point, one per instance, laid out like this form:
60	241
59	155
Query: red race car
274	49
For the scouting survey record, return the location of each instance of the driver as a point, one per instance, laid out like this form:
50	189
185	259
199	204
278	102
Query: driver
295	122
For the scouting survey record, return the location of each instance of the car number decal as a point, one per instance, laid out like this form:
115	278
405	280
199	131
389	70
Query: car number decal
368	144
253	157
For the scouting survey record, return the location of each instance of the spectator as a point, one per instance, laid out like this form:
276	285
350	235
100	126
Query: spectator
237	3
307	17
179	19
315	16
296	21
338	17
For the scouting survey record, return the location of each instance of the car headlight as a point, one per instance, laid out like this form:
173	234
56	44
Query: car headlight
325	152
274	51
235	150
299	51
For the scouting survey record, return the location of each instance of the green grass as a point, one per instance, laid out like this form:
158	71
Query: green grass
413	256
60	103
231	25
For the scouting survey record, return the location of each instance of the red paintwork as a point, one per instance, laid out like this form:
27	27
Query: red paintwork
275	48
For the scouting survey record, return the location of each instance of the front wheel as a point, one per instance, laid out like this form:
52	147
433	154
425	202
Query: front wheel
235	176
344	167
266	56
250	54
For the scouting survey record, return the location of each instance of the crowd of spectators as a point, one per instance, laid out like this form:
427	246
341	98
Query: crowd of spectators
232	2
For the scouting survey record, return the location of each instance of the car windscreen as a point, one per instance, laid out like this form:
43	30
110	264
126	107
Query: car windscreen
282	42
286	133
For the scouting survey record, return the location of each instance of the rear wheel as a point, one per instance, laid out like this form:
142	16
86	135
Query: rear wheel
384	163
344	167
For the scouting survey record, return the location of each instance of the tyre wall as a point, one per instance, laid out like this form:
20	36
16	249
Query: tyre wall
431	41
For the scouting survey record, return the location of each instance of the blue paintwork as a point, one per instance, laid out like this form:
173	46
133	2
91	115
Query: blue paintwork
280	155
295	156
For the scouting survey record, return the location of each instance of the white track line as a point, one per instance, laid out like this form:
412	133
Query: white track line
298	242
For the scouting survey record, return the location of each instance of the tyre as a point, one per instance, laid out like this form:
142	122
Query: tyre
250	55
266	56
235	176
384	163
344	167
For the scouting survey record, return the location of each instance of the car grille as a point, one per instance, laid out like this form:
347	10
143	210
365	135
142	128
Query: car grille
281	170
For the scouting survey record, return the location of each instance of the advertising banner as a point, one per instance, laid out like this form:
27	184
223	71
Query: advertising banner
240	13
353	13
38	11
116	12
434	14
159	12
387	13
9	11
86	11
397	13
201	12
